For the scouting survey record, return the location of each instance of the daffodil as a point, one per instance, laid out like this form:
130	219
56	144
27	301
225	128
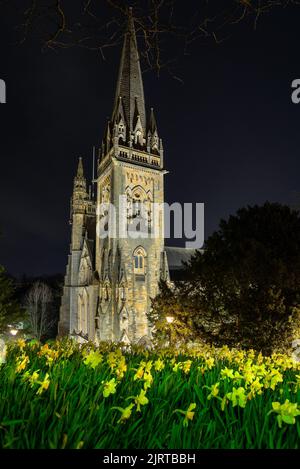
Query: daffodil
214	391
188	414
177	366
141	399
109	387
159	365
227	373
148	379
249	375
148	366
273	378
121	368
113	358
51	356
287	412
22	363
93	359
238	397
33	378
186	366
210	362
125	413
21	344
237	376
43	350
44	385
139	373
255	388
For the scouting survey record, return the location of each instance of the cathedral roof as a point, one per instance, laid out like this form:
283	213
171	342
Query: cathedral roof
176	256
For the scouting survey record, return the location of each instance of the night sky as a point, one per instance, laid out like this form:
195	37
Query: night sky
230	131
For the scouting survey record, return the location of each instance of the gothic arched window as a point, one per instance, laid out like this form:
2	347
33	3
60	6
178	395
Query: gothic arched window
139	256
137	209
139	137
121	131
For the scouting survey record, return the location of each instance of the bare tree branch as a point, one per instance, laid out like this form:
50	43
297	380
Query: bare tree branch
38	303
162	25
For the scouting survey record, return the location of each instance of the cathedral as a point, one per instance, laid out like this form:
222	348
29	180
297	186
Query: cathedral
111	279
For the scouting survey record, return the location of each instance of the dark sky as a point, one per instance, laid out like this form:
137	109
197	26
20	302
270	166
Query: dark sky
231	133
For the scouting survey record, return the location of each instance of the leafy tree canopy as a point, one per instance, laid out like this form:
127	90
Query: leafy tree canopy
245	288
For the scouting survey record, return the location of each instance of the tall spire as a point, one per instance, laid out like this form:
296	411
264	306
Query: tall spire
128	126
130	83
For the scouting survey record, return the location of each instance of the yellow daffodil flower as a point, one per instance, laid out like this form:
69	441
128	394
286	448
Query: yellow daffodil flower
214	391
227	373
210	363
44	385
287	412
22	363
238	397
159	365
93	359
148	379
141	399
21	344
125	413
188	414
109	387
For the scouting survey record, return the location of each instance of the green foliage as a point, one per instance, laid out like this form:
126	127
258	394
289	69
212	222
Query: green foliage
164	306
245	288
9	310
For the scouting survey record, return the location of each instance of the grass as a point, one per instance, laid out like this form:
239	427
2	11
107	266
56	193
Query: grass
62	405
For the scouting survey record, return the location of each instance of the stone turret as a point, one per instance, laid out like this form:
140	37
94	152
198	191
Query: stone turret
82	219
79	201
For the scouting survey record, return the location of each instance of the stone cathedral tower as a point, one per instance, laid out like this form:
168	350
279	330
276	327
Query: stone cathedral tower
131	164
110	280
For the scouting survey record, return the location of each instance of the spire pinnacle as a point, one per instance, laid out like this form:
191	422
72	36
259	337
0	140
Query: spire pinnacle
152	122
79	180
80	168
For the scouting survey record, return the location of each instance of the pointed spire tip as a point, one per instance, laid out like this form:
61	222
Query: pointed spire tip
80	167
